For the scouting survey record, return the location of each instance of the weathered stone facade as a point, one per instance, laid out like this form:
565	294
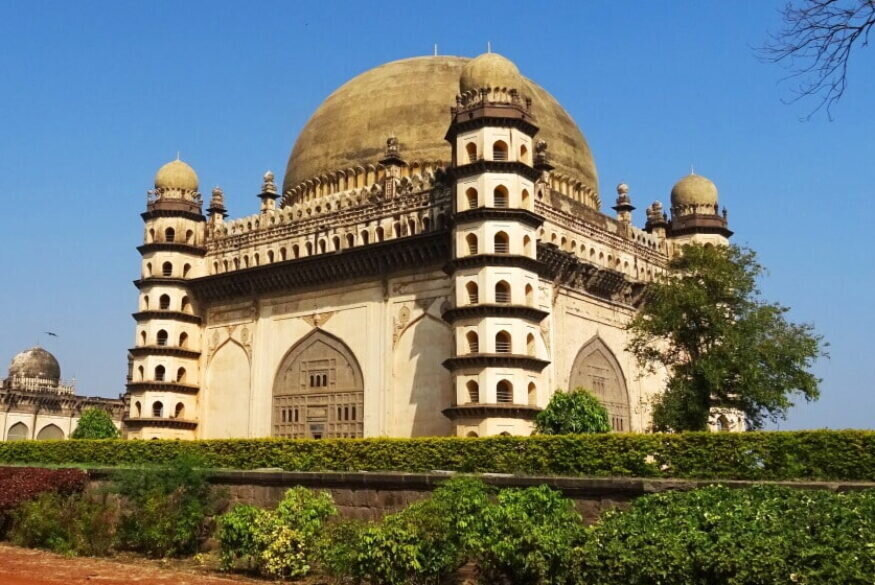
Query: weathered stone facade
435	263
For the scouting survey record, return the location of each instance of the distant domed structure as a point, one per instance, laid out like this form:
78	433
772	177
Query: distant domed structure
694	191
176	175
35	363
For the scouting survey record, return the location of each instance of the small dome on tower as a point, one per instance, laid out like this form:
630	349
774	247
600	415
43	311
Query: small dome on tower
176	175
490	70
694	191
35	363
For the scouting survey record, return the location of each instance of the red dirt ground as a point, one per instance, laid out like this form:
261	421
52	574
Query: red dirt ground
21	566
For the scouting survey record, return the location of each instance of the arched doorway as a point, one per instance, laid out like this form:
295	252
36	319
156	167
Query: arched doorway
50	432
597	370
318	391
18	432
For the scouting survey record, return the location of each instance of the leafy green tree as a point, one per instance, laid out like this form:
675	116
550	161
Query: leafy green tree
95	423
573	412
720	342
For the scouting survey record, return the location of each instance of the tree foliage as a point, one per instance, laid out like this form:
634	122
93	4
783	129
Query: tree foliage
95	423
720	342
816	43
573	412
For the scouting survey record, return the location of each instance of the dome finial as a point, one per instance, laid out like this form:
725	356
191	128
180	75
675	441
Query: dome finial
488	46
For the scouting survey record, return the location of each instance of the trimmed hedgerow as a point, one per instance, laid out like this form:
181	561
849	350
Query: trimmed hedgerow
824	455
21	484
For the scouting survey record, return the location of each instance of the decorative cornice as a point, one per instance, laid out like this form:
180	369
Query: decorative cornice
495	310
163	350
493	360
47	401
487	113
172	423
494	166
384	258
499	214
523	411
151	280
698	223
166	314
162	387
184	213
172	247
484	260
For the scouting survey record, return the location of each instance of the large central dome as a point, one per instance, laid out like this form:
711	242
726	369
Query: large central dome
411	99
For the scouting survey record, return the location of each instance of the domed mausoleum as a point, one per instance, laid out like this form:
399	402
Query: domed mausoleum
36	404
435	261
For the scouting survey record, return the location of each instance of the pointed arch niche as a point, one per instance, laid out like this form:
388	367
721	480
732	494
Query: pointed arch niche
318	391
227	394
597	370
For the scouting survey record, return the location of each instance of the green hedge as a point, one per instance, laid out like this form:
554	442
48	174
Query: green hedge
822	455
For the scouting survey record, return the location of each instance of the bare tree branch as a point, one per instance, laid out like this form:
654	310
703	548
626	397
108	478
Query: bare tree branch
816	43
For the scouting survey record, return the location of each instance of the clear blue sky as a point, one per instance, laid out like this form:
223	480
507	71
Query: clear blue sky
95	96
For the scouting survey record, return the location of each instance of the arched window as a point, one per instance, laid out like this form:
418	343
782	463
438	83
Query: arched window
502	342
148	269
365	237
499	197
162	337
138	409
530	295
188	236
185	305
723	424
504	392
526	198
187	268
142	338
246	261
473	342
256	259
502	292
180	375
283	254
499	150
502	243
471	196
350	240
426	223
169	235
164	302
142	373
471	239
151	235
471	149
533	394
157	409
146	302
335	243
309	248
471	288
380	234
530	344
270	256
322	246
524	154
183	339
167	269
472	435
159	374
473	392
179	412
396	230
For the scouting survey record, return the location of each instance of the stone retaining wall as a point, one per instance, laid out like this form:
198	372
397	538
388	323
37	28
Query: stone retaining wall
367	495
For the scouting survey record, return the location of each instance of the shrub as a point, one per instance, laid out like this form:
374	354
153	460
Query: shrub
95	423
824	455
723	536
165	509
424	544
573	412
65	524
21	484
528	537
282	543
